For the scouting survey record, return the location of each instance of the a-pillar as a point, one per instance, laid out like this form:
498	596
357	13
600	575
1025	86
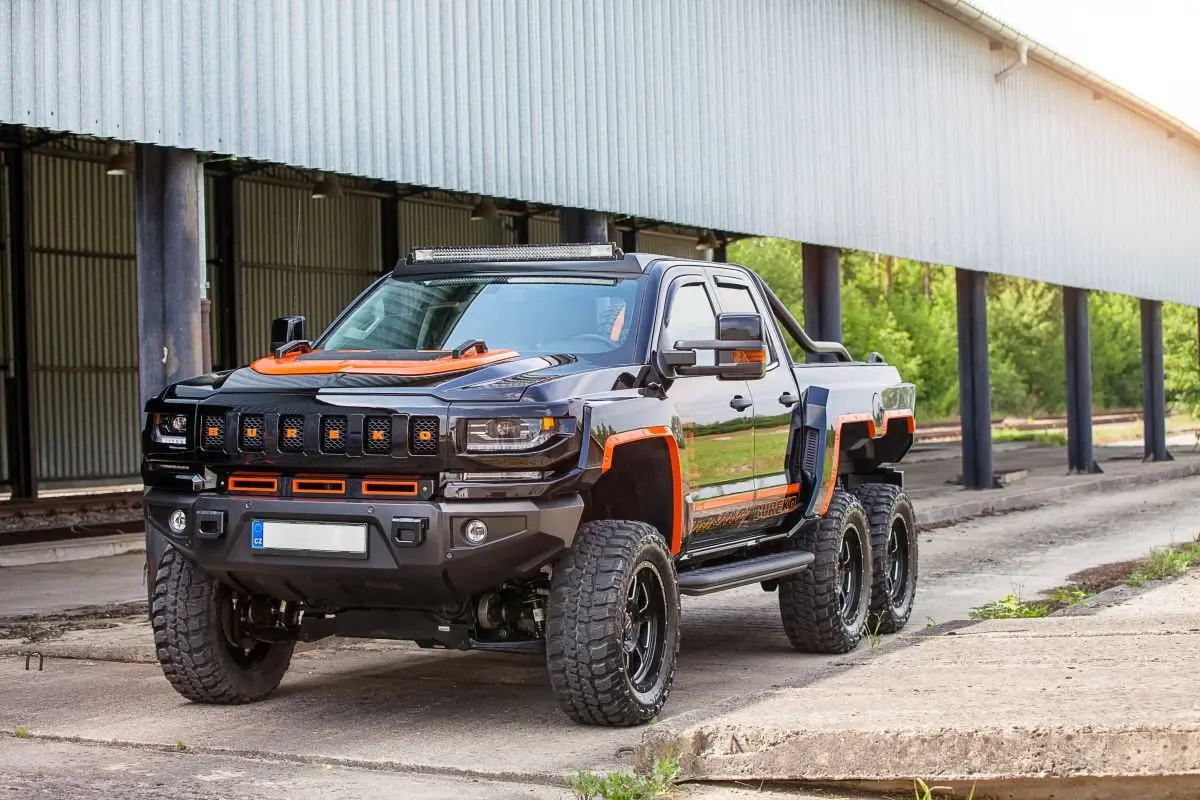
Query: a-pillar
822	281
170	266
974	388
577	225
1078	342
22	460
1154	392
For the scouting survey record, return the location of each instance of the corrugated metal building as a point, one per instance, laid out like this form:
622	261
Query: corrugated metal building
874	124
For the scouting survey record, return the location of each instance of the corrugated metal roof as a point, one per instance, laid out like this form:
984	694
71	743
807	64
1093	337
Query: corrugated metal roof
858	123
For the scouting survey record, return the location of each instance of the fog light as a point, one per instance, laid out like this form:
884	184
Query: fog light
178	521
475	531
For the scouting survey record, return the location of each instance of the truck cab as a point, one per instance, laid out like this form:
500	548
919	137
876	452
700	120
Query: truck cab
531	449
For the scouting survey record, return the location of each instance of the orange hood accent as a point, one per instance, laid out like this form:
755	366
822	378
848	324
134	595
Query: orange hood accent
363	364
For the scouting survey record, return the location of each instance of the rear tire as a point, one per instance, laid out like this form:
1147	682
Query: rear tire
894	555
612	624
189	639
824	608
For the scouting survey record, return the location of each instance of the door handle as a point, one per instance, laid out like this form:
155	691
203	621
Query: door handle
740	403
788	399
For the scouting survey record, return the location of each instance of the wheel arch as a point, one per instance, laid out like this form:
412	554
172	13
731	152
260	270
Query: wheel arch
639	469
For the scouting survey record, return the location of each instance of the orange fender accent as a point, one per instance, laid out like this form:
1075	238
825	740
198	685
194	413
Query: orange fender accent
910	423
638	434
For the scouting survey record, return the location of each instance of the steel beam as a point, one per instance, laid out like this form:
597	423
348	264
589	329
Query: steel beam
1154	392
228	274
577	225
170	266
1078	344
22	456
975	393
389	232
822	282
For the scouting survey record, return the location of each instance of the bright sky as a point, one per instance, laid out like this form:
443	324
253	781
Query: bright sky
1148	47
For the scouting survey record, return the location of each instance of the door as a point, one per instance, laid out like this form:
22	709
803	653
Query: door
716	418
776	397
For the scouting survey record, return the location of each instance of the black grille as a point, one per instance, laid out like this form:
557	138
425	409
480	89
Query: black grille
212	431
377	435
423	436
250	434
333	434
291	433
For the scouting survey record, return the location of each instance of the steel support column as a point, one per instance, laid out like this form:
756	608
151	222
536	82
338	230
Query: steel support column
1078	343
521	228
389	232
228	275
721	253
629	239
1154	397
22	458
170	266
975	393
577	225
822	281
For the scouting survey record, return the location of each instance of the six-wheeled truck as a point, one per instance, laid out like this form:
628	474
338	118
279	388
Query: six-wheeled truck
528	449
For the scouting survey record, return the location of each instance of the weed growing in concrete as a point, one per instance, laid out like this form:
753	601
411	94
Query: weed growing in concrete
625	785
1165	562
22	732
1011	606
1069	596
180	746
930	622
874	637
923	792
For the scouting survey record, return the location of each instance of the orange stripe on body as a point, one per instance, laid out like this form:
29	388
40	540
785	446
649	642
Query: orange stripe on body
352	364
746	497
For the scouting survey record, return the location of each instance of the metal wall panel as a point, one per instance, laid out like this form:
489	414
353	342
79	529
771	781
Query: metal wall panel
859	123
298	255
669	244
425	222
83	335
5	336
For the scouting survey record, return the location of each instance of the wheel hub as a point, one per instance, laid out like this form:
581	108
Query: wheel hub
645	627
851	571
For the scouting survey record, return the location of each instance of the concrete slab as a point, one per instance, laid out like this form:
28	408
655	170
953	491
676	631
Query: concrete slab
55	587
1097	696
21	555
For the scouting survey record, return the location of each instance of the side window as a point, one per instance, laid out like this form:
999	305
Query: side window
736	299
691	316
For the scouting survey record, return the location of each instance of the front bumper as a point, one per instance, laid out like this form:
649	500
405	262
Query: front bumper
434	570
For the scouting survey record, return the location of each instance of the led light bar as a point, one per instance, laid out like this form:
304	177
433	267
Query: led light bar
519	252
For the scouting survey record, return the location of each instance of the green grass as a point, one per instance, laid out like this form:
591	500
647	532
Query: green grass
1048	438
181	746
625	785
1069	596
725	457
1011	606
1165	562
22	732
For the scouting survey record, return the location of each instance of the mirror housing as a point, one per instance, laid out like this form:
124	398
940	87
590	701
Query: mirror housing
740	346
287	335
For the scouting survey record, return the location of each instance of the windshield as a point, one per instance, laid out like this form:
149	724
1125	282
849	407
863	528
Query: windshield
534	315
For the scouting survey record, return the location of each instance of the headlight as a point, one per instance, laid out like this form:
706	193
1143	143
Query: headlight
511	434
170	429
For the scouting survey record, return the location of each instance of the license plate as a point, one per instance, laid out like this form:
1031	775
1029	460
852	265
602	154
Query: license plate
311	537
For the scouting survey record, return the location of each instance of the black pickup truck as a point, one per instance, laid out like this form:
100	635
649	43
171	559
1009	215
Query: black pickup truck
530	449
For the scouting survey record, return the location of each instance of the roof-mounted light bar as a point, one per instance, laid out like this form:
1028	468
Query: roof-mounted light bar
519	252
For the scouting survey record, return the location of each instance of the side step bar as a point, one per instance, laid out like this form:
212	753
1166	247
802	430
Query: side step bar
707	580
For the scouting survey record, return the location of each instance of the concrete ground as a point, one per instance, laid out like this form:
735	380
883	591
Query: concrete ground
1090	699
370	708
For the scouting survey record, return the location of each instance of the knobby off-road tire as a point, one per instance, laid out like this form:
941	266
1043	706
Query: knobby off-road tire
612	624
893	555
810	602
192	648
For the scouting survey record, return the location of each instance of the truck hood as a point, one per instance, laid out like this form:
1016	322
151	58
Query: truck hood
499	379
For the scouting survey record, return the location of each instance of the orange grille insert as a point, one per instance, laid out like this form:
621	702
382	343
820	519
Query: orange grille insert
253	484
318	485
392	487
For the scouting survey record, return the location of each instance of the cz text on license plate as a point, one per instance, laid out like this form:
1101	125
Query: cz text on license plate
310	537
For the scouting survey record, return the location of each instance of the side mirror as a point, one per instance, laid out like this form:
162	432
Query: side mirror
287	334
740	350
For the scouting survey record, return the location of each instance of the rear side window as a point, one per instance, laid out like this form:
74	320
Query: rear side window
691	316
735	299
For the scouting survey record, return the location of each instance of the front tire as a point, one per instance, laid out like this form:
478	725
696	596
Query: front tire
612	624
824	608
189	617
894	553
